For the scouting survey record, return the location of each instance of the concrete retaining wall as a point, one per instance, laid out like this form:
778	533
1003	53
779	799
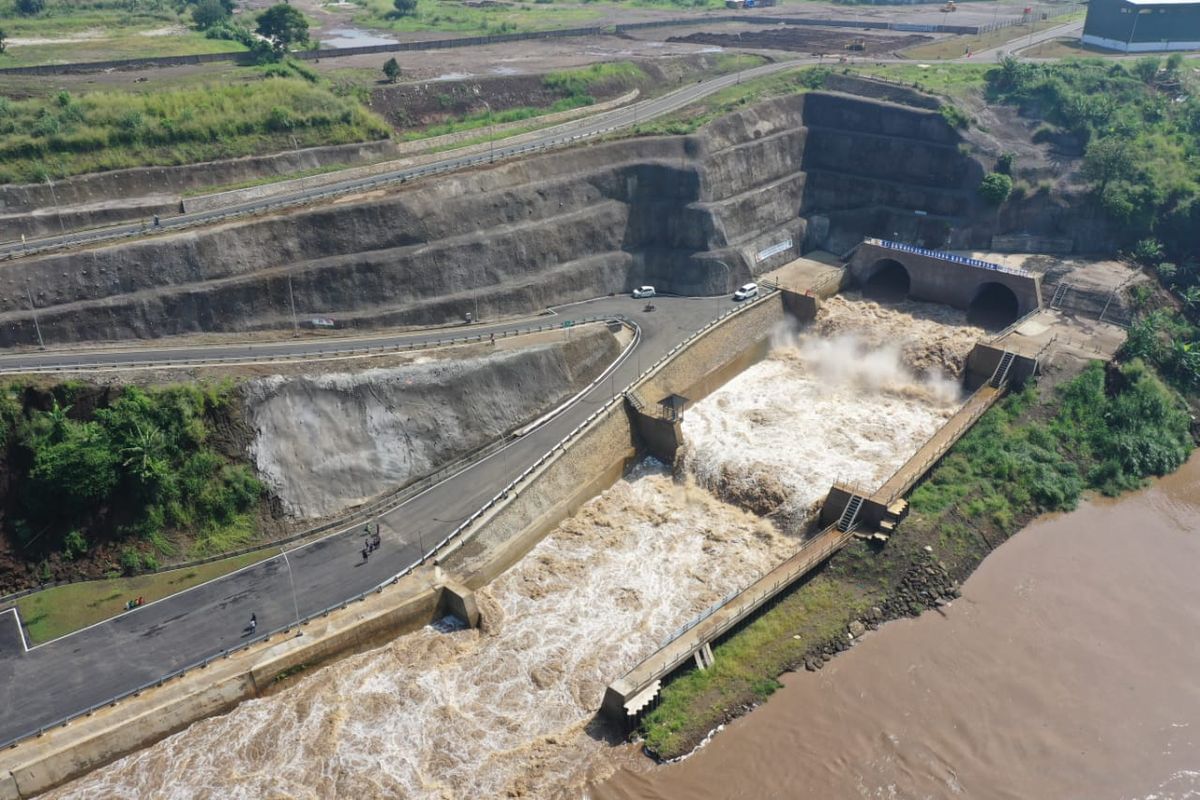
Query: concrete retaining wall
717	356
587	466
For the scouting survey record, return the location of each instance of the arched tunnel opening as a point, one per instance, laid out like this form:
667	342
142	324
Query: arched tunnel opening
995	306
889	282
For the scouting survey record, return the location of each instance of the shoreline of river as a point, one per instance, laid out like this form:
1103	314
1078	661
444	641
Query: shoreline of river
1042	627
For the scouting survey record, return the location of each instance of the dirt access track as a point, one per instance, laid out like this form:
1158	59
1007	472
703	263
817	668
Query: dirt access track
805	40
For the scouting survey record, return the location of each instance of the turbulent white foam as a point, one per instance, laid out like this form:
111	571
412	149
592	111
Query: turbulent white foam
474	714
820	409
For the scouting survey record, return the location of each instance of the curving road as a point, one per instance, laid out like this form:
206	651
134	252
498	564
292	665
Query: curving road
63	677
151	356
558	135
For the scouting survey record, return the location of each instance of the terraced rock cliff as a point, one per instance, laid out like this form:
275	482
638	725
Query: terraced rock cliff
694	215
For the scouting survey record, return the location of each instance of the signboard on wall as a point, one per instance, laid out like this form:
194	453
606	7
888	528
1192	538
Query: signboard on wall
775	250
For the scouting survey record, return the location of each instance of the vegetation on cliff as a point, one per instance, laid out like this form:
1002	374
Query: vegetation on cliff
88	475
1105	430
1139	125
71	134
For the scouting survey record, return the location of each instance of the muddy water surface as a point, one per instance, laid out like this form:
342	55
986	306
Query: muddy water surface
1069	669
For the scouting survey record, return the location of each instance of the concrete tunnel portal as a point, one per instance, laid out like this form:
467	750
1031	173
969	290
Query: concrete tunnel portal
993	295
889	281
994	306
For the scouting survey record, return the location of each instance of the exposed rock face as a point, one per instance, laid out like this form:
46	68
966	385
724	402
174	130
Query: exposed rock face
327	442
690	214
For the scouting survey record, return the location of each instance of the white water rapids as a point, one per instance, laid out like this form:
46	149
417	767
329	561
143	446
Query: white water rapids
509	710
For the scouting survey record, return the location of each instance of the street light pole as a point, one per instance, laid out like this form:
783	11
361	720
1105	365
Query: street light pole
36	326
292	581
292	302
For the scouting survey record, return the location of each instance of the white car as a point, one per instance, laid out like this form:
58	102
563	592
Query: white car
746	292
643	291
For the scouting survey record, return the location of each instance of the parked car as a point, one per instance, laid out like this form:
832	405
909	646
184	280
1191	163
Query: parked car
643	291
746	292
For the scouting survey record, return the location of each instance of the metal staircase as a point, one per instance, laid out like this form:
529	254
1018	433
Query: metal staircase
850	513
1000	376
1060	293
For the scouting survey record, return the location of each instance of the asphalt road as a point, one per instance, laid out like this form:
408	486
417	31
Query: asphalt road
70	674
579	129
303	349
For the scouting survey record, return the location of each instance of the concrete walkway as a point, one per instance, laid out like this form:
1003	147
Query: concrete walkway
63	677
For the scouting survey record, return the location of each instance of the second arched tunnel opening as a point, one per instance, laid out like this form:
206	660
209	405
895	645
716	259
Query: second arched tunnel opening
994	306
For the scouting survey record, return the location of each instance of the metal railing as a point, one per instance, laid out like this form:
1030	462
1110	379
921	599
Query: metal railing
944	256
333	352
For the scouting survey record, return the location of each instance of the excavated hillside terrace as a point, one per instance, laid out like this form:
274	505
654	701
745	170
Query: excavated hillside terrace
692	214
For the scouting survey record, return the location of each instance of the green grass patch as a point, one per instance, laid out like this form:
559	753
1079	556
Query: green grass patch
62	609
484	119
731	98
747	663
102	30
453	17
953	80
72	134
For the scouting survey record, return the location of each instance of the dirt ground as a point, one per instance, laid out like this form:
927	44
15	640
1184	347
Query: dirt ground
334	23
807	40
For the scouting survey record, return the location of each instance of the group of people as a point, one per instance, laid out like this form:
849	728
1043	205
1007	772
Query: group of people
138	601
371	541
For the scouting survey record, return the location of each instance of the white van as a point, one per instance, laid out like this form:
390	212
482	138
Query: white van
746	292
643	291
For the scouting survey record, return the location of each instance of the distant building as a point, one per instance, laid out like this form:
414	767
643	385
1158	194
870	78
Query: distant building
1142	26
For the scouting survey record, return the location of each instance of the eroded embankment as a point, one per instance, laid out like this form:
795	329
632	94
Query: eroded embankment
690	214
326	442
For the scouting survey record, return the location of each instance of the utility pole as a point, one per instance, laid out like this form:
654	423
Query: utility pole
292	302
36	326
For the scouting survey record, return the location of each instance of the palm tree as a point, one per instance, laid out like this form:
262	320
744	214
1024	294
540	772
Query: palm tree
144	453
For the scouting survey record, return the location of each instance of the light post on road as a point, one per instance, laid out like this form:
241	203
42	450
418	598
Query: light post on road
724	288
36	326
292	581
292	302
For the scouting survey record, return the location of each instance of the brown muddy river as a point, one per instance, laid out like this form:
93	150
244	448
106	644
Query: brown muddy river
1069	669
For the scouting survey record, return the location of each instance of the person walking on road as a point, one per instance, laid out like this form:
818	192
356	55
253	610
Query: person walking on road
253	623
365	553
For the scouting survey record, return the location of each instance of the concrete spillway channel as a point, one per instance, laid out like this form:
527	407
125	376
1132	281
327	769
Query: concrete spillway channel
846	511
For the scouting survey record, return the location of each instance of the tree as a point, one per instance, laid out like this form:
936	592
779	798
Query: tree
283	25
30	7
1107	160
208	13
405	8
995	188
391	69
73	475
